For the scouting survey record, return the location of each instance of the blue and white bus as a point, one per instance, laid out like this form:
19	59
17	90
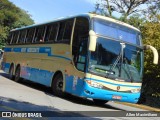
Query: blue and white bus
87	55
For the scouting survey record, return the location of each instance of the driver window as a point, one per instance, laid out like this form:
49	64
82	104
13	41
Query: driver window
81	60
79	45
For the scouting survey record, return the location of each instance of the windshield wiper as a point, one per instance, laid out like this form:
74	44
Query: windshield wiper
129	74
120	57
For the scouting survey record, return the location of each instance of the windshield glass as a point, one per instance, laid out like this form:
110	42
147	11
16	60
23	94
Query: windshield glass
116	60
116	31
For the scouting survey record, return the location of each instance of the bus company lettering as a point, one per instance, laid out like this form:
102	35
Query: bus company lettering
33	50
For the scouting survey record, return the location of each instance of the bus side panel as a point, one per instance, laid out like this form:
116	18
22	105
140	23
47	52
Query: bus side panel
36	75
6	67
74	80
74	85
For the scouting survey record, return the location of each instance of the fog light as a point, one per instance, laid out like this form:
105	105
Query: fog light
94	84
135	90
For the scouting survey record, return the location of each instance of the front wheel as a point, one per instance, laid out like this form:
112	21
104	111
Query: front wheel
100	102
57	85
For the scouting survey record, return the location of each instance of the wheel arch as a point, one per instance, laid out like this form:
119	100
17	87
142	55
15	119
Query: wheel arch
18	65
55	74
12	65
18	76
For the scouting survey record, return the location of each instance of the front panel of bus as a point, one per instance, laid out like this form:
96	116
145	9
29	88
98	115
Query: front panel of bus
115	68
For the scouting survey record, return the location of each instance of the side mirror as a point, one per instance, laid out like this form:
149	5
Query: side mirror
93	40
155	53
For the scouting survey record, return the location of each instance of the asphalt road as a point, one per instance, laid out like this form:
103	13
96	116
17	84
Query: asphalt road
27	96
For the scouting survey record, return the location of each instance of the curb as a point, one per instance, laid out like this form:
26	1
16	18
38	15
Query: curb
145	107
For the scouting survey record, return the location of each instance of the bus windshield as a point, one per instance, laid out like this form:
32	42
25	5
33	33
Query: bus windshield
112	60
116	31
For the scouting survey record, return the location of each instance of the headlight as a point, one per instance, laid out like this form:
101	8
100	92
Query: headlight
135	90
94	84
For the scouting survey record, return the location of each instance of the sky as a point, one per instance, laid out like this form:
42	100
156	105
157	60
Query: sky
46	10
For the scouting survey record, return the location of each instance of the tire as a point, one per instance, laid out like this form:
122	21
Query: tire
11	70
100	102
17	74
57	85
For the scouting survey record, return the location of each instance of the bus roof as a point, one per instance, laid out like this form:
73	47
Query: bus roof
89	15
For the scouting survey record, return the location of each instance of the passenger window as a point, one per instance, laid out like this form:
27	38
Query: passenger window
68	30
51	32
30	35
65	30
61	31
15	37
22	36
9	39
39	34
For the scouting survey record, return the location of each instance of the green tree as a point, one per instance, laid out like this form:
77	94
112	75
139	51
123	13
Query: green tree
124	7
24	19
151	36
152	11
11	17
135	20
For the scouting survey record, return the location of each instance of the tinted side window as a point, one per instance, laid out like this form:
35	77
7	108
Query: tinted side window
9	39
81	31
61	31
81	56
51	32
22	36
65	30
30	35
15	37
39	35
80	41
68	30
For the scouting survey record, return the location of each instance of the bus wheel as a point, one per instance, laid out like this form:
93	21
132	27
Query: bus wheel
100	102
57	85
17	74
11	76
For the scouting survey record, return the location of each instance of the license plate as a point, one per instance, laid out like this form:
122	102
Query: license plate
116	97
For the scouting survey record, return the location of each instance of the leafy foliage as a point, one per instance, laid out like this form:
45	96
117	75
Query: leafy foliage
11	17
151	36
123	7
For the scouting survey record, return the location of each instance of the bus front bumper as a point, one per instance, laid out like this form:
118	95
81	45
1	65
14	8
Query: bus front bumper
97	93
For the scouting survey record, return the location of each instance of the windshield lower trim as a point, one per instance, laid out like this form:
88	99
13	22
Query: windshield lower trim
113	78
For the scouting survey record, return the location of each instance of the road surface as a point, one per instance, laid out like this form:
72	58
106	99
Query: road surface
28	96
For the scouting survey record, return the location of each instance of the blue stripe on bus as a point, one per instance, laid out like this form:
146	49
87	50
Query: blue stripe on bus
7	49
16	49
37	75
112	83
35	50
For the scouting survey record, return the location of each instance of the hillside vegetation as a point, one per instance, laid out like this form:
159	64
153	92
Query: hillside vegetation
11	17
